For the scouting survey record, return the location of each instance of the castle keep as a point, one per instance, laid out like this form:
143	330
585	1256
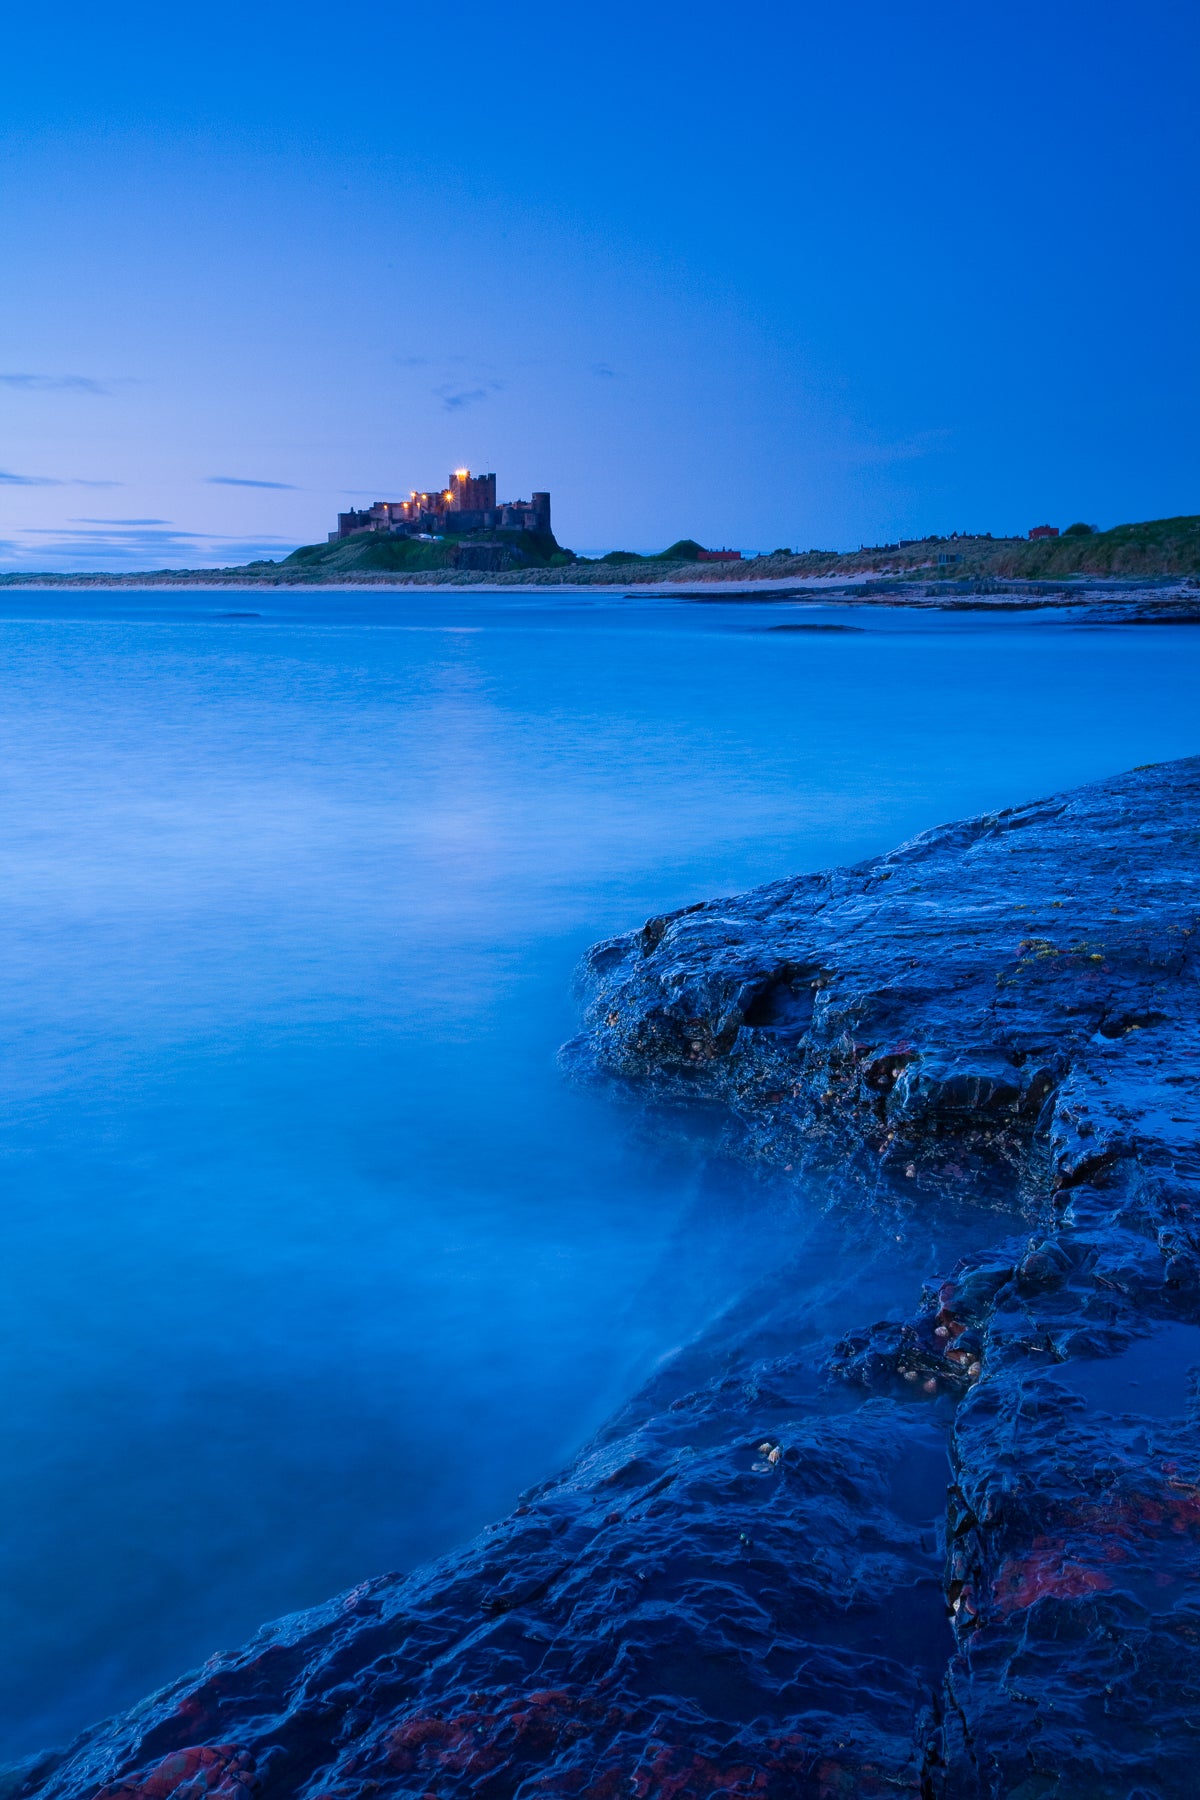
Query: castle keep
466	503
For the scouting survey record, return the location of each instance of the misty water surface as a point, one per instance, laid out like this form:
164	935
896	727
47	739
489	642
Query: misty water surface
310	1260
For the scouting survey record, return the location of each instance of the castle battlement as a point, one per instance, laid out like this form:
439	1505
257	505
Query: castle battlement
466	503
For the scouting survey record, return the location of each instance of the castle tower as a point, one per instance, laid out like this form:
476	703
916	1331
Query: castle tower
471	493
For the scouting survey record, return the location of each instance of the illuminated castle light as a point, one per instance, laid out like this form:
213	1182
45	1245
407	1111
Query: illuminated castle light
466	503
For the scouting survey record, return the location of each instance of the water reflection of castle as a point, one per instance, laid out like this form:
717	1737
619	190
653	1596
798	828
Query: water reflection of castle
466	503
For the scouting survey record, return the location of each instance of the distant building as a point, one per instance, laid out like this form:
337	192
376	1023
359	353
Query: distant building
718	556
1040	531
466	503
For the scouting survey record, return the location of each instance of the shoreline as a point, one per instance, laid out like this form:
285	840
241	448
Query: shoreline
815	1554
1161	600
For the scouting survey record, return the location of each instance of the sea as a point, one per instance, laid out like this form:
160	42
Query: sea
311	1259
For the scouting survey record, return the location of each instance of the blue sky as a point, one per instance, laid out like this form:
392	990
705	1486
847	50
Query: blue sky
794	275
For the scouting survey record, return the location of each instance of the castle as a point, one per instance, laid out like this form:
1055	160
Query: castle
466	503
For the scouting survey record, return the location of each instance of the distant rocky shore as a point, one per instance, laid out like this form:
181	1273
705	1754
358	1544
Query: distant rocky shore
1154	553
1088	601
944	1544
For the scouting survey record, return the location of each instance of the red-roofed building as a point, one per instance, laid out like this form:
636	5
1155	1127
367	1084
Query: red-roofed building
1044	531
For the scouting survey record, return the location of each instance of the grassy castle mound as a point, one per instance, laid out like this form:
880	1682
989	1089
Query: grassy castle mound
485	552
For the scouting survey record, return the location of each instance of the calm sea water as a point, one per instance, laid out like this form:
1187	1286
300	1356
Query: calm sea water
310	1261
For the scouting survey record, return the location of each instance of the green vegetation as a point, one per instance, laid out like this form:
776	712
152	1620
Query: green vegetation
1154	549
685	550
378	552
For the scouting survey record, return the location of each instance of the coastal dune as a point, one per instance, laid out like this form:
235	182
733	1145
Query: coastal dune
920	1515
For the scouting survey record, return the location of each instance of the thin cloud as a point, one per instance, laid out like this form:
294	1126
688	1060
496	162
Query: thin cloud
26	382
132	536
9	479
454	398
466	380
242	481
71	384
135	534
130	546
603	370
82	521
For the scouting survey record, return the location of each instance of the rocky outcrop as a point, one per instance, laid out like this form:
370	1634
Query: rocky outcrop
967	1007
1006	1009
870	1536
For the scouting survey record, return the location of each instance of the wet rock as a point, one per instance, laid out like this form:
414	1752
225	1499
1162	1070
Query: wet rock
682	1614
1061	1063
